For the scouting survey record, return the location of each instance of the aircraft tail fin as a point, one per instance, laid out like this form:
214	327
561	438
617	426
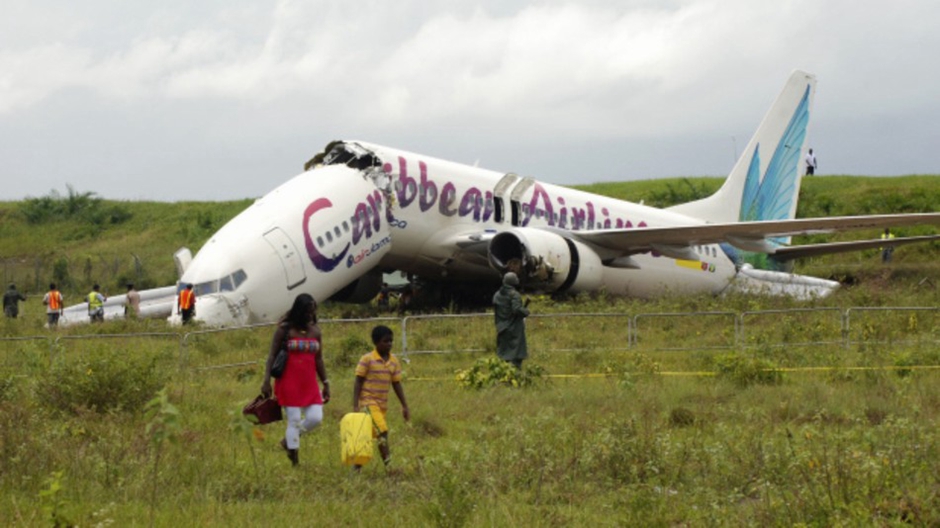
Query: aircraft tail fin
765	182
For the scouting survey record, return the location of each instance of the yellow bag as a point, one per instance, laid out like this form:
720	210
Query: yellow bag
355	431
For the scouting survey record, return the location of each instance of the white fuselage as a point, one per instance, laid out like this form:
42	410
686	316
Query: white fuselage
329	226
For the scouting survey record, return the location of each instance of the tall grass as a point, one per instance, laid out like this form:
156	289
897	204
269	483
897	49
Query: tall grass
717	438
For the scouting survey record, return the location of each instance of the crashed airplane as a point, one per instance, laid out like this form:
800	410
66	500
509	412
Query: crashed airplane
360	210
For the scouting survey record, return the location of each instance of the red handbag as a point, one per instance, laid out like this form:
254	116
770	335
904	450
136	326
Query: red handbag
263	410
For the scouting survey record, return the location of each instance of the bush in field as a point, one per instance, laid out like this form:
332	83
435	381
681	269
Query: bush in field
350	350
86	207
7	387
101	384
746	370
494	371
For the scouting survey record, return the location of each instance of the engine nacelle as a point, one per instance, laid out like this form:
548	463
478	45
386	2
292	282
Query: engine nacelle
546	261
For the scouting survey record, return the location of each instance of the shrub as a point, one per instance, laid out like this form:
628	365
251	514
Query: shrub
86	206
7	387
350	350
102	384
745	370
494	371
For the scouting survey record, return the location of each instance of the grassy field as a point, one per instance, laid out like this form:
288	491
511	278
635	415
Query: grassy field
103	428
721	439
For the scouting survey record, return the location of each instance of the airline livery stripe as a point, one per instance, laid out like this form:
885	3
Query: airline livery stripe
691	264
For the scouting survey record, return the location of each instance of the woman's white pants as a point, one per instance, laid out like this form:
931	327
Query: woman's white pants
300	421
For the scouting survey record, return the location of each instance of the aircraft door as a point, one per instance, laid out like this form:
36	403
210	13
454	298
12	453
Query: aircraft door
516	196
290	257
499	201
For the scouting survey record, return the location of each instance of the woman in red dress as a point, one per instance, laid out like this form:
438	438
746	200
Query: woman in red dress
297	389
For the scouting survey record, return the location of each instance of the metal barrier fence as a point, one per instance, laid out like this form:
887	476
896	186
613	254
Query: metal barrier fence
795	327
691	335
886	325
449	333
439	334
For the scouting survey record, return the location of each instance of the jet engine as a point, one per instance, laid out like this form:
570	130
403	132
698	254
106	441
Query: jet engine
546	261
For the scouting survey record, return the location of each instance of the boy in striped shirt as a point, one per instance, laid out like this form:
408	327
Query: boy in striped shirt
376	372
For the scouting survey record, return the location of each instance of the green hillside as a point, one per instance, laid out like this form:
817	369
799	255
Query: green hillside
78	239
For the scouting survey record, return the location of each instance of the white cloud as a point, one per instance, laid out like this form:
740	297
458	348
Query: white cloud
260	78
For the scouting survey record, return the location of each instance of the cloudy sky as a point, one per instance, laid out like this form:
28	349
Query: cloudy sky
224	99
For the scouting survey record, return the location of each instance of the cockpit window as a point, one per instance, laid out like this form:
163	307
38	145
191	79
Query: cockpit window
204	288
225	284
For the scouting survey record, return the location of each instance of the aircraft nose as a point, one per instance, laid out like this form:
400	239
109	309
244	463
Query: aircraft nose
217	311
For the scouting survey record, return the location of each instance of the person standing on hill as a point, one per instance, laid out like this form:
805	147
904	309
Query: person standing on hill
887	251
186	305
95	300
53	302
810	163
131	303
11	302
510	312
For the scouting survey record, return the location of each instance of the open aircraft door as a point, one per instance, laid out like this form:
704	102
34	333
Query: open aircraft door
290	257
515	199
499	196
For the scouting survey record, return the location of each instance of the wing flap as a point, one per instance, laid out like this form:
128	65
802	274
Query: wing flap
815	250
745	235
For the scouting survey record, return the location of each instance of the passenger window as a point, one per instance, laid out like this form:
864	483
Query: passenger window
329	237
320	241
345	226
337	232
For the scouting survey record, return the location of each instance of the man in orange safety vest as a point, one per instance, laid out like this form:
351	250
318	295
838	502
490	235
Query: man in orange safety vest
186	306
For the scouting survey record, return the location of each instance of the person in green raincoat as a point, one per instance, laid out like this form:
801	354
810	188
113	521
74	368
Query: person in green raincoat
510	312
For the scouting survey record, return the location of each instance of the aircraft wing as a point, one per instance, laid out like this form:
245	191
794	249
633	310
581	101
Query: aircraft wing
748	236
154	303
814	250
